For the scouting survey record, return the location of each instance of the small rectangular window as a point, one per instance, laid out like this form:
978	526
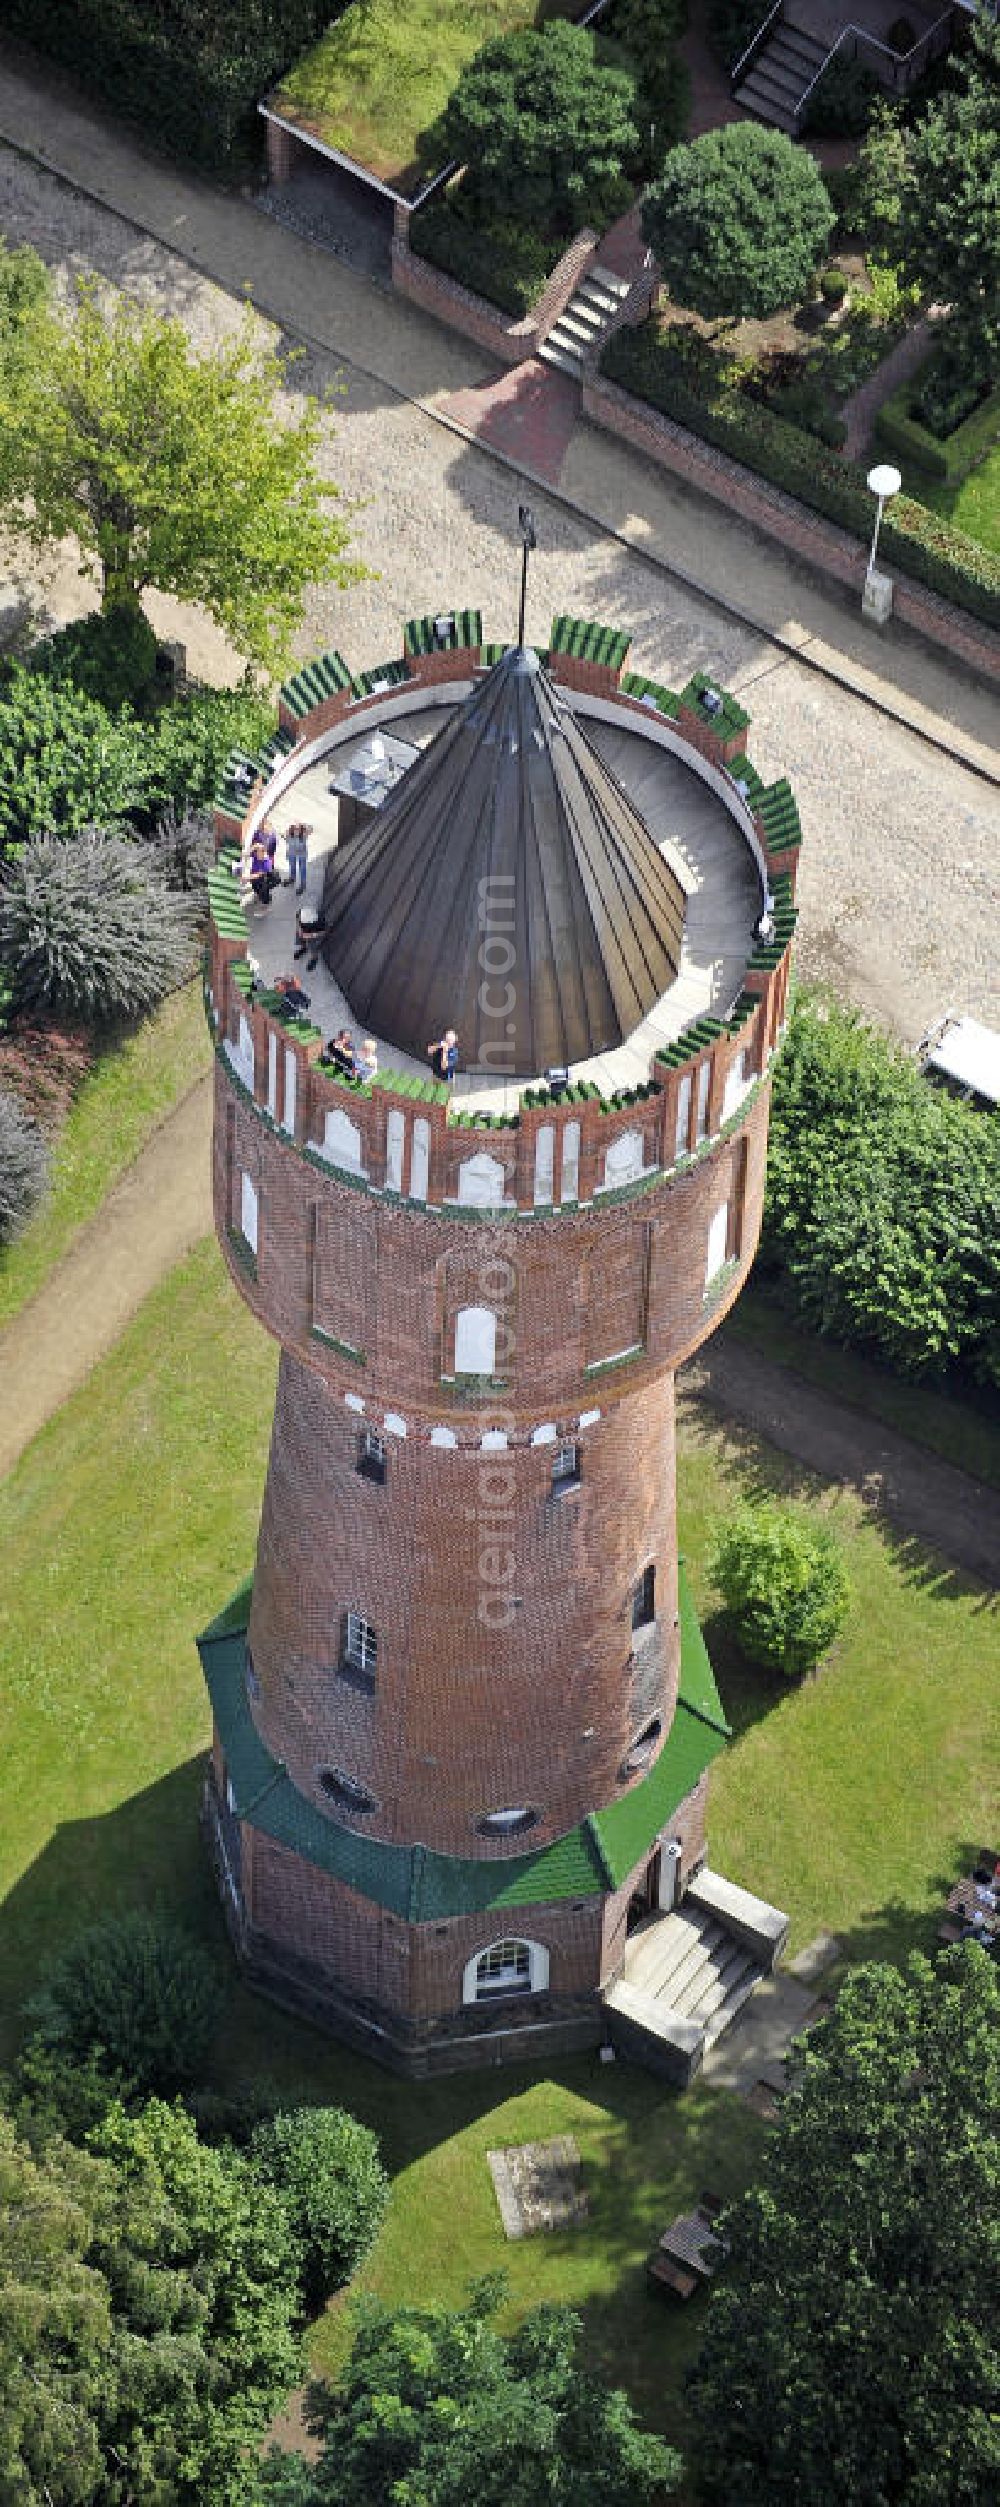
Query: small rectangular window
565	1468
371	1456
644	1599
360	1653
704	1092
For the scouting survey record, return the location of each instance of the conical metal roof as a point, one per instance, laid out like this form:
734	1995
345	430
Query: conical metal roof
508	889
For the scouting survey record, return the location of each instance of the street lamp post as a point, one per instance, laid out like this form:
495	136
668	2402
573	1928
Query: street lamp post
876	599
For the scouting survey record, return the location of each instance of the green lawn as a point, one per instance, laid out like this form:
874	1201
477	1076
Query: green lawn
853	1800
974	506
382	74
128	1092
963	1429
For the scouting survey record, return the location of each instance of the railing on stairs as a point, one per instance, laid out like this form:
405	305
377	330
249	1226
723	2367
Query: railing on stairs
629	309
895	71
755	45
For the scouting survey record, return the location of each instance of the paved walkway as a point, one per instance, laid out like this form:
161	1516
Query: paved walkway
942	1507
529	415
393	348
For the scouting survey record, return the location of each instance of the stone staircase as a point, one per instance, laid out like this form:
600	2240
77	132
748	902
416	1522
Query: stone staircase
685	1975
585	322
779	75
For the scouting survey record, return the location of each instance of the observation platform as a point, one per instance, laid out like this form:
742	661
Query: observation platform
704	838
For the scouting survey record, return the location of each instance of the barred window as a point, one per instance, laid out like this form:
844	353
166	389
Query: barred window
371	1456
360	1644
644	1599
565	1467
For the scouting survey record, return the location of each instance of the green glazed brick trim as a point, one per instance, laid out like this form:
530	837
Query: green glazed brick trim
382	675
633	684
329	676
721	1280
779	816
587	641
731	717
424	1886
465	633
624	1358
224	898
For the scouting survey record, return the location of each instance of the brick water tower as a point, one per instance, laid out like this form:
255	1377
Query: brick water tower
463	1712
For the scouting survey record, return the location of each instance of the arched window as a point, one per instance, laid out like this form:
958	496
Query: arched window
506	1968
475	1341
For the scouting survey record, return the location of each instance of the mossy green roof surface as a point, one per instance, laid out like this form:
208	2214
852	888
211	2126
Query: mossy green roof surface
412	1880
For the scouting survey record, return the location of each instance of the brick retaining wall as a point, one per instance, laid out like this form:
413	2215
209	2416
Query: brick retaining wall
806	535
510	340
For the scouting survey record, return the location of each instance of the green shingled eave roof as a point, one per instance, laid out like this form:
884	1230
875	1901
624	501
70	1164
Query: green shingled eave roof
588	641
424	1886
465	632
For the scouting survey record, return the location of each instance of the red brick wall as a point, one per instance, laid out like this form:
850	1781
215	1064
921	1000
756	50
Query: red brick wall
507	1671
568	1285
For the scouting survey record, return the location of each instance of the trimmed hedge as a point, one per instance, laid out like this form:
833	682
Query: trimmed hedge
503	263
920	542
949	457
190	71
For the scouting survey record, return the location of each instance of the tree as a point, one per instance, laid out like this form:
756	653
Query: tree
949	190
851	2350
739	221
650	32
88	930
139	1991
326	2168
24	1167
171	469
55	2323
546	133
783	1580
436	2407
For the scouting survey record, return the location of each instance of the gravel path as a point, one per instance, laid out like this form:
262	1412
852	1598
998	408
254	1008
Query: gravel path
899	888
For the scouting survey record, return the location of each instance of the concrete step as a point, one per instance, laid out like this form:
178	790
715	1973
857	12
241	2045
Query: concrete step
739	1993
801	52
610	280
785	78
711	1993
653	1955
580	323
560	358
759	99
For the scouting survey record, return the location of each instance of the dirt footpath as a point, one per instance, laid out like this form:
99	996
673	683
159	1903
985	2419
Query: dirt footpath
938	1505
156	1212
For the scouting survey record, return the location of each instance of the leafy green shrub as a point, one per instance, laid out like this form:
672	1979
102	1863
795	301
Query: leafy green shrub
495	258
784	1584
918	541
140	1991
185	750
833	285
88	930
192	72
65	762
546	133
738	221
327	2170
843	100
649	32
24	1167
882	1214
111	656
956	378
